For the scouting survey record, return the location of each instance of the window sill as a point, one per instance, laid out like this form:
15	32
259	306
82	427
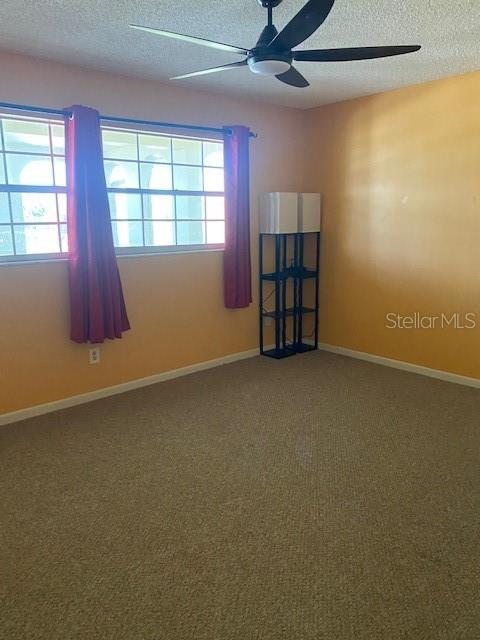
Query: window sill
169	252
121	256
21	262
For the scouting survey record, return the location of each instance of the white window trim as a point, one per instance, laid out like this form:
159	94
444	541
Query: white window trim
142	252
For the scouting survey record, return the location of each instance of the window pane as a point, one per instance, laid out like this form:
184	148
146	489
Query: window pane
127	234
58	138
34	207
60	172
190	232
160	207
187	178
122	175
155	148
41	238
159	233
187	151
27	162
62	207
156	176
213	180
215	206
215	232
6	243
64	238
119	144
4	208
125	205
31	170
213	154
22	135
189	207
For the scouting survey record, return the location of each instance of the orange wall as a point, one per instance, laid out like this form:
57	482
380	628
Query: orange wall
400	175
175	301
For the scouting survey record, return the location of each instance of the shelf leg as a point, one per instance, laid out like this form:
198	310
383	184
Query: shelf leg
260	289
317	284
277	291
300	288
284	294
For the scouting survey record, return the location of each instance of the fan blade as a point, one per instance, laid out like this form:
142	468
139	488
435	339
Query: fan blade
294	78
301	27
179	36
224	67
353	53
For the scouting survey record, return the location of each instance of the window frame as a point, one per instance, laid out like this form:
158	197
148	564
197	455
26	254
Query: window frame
54	189
163	132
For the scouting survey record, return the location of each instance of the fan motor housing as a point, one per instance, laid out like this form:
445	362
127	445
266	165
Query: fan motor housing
266	62
269	3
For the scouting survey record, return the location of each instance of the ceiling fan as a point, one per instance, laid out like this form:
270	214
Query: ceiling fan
273	54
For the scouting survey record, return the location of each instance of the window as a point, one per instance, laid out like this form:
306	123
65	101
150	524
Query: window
164	191
32	188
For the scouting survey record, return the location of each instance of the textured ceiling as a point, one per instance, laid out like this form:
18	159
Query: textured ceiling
95	33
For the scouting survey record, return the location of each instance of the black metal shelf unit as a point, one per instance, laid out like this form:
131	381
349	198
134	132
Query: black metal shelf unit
288	294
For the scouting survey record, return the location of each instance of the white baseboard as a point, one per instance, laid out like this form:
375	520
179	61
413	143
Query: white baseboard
72	401
404	366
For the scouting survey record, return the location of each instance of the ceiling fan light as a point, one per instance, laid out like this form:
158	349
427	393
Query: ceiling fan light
269	67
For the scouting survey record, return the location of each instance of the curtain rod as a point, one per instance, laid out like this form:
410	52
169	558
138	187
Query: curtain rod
151	123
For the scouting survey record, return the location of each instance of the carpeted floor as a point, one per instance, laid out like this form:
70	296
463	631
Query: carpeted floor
313	498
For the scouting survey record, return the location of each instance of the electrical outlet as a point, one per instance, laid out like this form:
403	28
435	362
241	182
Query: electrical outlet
94	355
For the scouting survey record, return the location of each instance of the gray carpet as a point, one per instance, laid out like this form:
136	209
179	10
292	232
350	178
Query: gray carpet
313	498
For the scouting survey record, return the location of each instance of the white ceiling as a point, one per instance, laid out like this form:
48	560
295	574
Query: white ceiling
95	33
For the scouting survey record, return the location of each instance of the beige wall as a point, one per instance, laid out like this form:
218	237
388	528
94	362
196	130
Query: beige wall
174	302
400	175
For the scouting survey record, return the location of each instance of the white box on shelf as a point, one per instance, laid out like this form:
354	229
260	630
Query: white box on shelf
309	212
279	212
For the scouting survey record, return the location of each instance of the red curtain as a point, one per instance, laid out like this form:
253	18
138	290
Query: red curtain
97	307
237	269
